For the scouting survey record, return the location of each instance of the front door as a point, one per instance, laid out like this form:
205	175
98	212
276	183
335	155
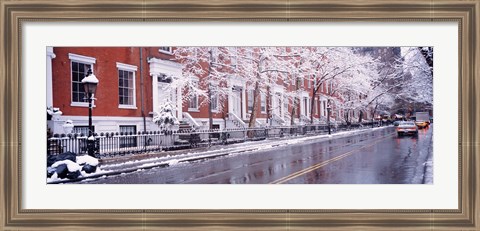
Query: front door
237	102
165	94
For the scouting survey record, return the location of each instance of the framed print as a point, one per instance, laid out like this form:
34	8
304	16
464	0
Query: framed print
123	59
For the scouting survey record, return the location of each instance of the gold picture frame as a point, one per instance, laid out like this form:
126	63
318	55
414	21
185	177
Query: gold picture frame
13	13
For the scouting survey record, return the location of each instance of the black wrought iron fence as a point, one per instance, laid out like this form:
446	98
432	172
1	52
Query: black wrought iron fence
125	143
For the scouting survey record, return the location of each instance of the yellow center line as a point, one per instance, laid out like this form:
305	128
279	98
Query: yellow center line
321	164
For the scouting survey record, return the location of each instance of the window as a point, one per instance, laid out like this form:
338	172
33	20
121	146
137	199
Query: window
263	103
193	101
126	86
328	89
163	78
250	100
213	98
165	50
78	73
79	66
82	130
128	141
285	104
233	56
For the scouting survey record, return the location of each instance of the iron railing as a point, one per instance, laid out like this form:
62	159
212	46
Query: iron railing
126	143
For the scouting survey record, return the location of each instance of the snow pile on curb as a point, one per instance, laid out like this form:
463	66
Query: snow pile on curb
70	166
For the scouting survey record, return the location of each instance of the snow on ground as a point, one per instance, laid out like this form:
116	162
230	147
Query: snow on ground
428	177
78	165
53	178
86	159
72	166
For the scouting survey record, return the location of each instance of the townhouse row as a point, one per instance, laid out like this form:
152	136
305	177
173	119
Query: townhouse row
135	81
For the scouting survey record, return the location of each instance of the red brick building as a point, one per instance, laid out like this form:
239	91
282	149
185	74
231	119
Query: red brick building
134	82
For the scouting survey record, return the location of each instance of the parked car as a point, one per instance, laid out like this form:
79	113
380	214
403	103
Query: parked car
422	119
422	124
396	123
407	128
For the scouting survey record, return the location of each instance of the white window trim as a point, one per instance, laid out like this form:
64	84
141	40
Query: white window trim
82	104
166	52
130	68
126	67
80	59
127	107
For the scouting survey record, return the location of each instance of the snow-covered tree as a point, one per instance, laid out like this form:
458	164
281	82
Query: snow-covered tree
427	53
403	79
165	118
345	75
355	87
261	67
353	81
420	88
211	65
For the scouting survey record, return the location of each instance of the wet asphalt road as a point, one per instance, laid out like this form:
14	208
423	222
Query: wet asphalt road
375	157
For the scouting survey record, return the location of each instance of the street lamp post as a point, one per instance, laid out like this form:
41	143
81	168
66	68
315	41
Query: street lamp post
328	116
90	83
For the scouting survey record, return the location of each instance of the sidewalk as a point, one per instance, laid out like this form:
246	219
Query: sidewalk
428	168
136	162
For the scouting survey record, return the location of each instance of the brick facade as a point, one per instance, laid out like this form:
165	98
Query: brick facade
147	66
